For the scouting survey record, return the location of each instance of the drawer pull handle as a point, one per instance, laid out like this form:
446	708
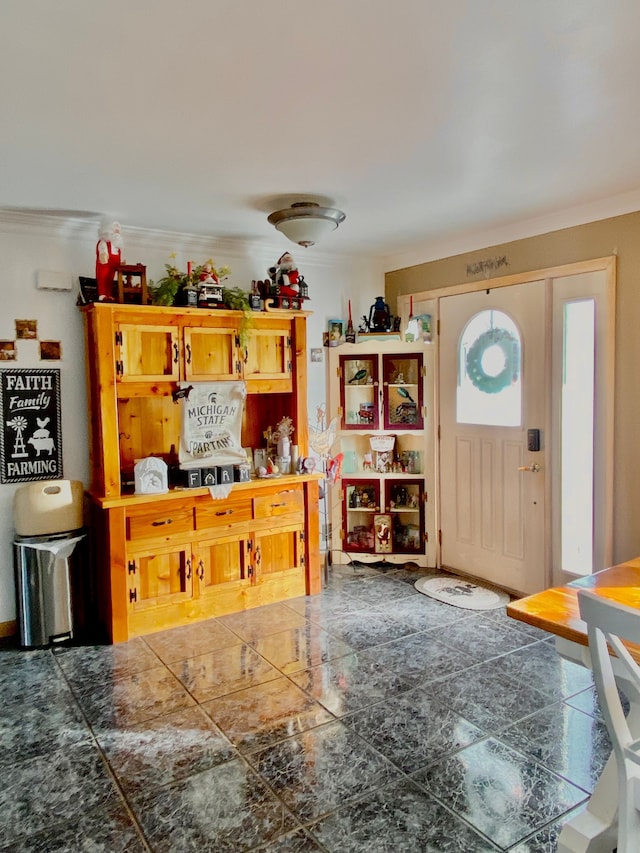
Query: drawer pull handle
176	353
258	556
188	570
286	491
225	512
282	503
188	353
200	571
160	523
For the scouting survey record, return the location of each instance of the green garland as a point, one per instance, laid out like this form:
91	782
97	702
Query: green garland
511	370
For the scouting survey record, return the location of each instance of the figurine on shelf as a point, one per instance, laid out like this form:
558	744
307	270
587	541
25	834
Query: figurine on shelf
108	259
284	276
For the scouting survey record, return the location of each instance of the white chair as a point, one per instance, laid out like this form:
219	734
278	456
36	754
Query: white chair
609	623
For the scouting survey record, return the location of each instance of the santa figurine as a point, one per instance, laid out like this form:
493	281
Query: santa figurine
108	259
208	276
285	275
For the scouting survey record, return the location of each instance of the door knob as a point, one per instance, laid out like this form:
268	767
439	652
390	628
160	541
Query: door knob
533	468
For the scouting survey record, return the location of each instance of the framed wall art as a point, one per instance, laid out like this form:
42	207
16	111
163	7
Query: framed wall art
31	434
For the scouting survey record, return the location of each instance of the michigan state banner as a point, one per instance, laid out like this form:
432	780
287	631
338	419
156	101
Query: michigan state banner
211	424
31	434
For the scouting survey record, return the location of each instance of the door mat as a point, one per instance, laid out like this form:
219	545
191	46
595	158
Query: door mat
462	593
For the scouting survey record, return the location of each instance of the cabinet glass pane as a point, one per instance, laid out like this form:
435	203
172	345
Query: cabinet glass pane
361	504
404	502
402	383
359	392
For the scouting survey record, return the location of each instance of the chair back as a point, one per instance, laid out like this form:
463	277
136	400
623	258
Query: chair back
608	624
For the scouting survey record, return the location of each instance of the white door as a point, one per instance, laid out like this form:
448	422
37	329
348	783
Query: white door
492	393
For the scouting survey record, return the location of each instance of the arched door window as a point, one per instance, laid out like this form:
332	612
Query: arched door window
490	371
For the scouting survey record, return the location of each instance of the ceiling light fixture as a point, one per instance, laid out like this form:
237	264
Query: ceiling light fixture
305	222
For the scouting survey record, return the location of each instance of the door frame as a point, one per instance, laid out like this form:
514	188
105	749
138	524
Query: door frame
428	302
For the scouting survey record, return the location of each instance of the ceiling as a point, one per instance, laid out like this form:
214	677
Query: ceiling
420	119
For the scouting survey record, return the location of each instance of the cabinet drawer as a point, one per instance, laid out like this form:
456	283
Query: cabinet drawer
215	513
278	503
153	521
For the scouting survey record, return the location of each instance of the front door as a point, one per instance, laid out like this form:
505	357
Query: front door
492	418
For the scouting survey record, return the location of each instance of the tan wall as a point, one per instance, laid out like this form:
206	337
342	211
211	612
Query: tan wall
621	236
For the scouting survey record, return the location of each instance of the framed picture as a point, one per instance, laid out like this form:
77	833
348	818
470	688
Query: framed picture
335	330
31	434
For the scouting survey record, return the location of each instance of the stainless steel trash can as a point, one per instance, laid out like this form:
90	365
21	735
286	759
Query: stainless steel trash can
43	587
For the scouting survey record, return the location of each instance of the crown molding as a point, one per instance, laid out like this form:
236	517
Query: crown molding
86	228
472	241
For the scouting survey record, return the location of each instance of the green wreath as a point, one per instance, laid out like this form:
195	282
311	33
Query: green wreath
511	370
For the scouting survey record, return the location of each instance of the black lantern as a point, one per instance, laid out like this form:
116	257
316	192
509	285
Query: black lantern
379	316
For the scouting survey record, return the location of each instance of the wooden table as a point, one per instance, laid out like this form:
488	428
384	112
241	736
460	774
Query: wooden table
556	610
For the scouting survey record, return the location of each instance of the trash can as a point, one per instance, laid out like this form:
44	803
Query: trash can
48	522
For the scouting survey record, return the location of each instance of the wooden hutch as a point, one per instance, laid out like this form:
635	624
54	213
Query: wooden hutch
165	560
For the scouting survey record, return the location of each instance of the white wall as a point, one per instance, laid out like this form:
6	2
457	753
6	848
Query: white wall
32	243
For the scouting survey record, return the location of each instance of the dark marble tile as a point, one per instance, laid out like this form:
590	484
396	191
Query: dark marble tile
134	699
31	677
266	713
419	658
349	683
41	725
60	786
327	604
400	818
300	648
503	794
320	770
546	839
339	574
250	625
103	830
295	842
227	809
540	664
413	730
567	741
223	671
489	702
481	637
500	615
408	574
422	613
365	628
191	640
89	666
587	701
164	749
378	590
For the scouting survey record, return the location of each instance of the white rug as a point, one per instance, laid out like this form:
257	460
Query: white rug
462	593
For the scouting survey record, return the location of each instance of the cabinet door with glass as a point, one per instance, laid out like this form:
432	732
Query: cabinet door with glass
359	386
361	503
402	384
404	504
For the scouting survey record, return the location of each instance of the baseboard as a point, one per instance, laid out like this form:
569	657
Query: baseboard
8	629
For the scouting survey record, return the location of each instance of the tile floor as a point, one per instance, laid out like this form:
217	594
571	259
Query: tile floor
367	718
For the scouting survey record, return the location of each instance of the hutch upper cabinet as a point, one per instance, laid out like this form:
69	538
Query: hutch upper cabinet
169	559
382	393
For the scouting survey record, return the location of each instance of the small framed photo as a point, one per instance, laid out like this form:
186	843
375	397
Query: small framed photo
335	330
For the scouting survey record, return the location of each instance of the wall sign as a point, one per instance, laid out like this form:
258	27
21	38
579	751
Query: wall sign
31	434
